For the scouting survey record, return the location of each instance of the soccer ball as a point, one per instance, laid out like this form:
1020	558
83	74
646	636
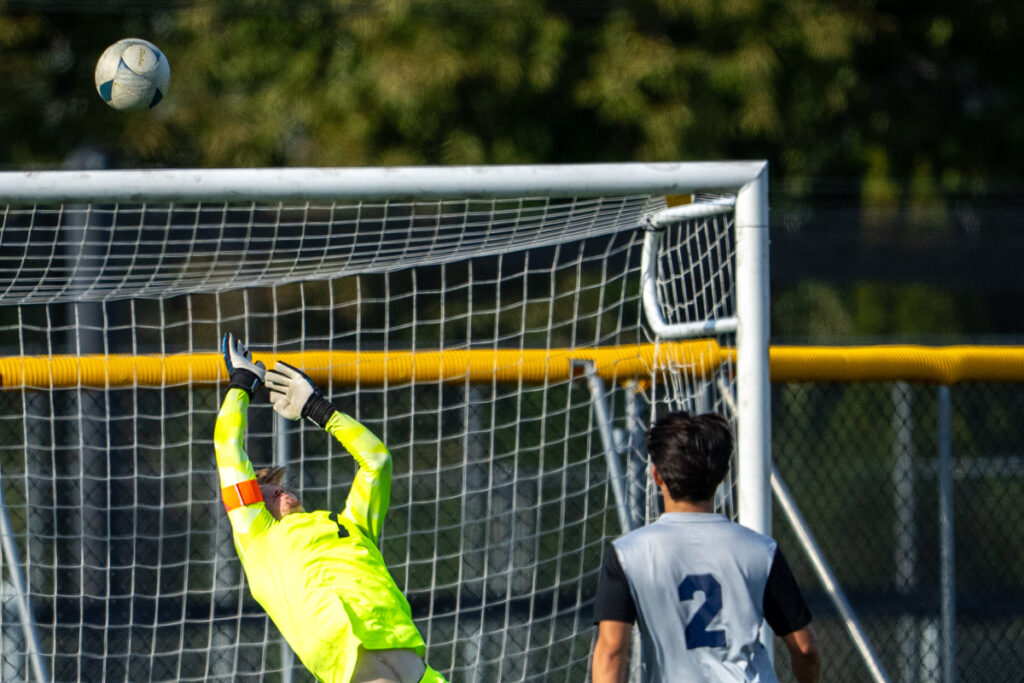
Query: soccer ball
132	74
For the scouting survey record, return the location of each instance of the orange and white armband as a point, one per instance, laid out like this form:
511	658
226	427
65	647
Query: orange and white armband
241	494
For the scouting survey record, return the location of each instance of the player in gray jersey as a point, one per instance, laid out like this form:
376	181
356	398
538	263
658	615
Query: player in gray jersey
698	585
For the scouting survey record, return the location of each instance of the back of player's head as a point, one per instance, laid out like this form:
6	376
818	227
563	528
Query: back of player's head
270	475
692	453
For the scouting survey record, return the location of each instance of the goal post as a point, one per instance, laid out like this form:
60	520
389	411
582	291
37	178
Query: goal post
508	331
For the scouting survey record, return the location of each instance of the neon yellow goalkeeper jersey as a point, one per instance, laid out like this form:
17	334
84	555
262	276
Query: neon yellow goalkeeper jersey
320	575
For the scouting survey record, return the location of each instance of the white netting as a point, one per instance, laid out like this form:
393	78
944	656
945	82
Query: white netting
91	253
501	503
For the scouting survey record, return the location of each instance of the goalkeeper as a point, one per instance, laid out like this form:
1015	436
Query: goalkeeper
320	576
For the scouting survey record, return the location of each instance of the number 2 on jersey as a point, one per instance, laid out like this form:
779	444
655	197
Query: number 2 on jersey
697	633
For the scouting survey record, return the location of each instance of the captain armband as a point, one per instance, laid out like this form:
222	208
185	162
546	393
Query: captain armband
241	494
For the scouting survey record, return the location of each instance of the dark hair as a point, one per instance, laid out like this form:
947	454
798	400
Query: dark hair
692	453
270	475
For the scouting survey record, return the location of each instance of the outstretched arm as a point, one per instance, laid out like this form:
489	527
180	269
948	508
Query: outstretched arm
294	396
370	495
239	491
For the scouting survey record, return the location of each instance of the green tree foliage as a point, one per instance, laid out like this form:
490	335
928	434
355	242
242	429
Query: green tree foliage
710	79
283	83
870	89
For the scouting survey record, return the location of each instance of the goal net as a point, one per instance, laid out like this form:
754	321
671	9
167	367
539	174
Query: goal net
509	332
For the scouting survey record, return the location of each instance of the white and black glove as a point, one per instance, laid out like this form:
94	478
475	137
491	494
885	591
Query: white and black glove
244	373
294	396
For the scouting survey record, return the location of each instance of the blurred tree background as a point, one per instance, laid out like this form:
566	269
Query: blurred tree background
890	126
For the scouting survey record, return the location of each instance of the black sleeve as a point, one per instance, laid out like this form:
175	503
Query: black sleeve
784	606
613	601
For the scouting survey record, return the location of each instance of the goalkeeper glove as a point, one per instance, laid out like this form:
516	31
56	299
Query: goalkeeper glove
294	396
244	373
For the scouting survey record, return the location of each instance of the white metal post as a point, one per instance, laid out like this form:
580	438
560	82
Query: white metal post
753	387
753	397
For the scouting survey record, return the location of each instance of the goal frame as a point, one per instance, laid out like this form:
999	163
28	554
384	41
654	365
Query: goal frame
748	180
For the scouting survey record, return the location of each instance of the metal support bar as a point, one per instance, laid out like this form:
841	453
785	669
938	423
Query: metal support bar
652	306
611	455
947	540
684	212
28	622
282	456
905	557
282	442
828	578
636	456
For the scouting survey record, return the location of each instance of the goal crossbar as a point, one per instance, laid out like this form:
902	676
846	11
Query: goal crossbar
404	182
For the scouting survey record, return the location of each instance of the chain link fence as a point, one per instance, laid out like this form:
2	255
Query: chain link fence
913	493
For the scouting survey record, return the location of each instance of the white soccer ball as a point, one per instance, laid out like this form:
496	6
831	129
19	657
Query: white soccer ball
132	74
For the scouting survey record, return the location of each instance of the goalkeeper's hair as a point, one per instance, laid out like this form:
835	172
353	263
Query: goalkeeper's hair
692	453
270	475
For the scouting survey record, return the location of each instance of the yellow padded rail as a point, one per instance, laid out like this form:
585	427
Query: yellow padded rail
529	366
936	365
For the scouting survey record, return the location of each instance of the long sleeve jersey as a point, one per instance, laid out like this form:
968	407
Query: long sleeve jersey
320	575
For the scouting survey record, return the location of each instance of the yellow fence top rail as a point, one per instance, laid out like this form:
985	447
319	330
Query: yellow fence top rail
936	365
